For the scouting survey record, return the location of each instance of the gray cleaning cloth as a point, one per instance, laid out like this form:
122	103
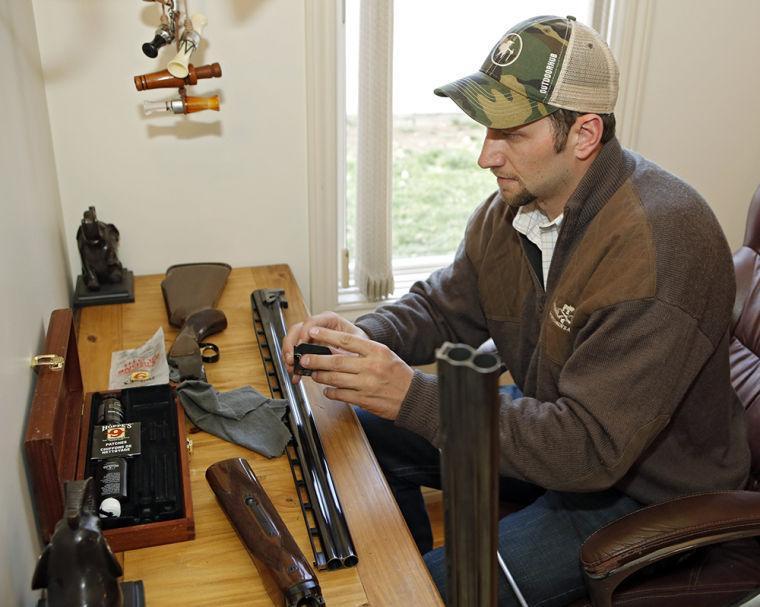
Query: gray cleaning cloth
241	416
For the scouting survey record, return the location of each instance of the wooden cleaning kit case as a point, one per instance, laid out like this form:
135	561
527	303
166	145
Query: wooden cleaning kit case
158	507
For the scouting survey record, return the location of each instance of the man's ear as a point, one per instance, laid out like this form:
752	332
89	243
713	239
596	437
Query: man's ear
588	130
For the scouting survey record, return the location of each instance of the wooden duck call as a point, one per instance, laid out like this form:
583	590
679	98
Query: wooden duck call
164	80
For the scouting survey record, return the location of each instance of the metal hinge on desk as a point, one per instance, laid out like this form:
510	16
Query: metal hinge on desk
51	361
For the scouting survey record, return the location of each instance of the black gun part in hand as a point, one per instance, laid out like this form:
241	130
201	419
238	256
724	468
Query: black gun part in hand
302	350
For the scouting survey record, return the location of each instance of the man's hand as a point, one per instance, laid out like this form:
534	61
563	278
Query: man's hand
373	378
300	332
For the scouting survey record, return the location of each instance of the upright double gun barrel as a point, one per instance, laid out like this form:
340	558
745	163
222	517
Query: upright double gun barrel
469	409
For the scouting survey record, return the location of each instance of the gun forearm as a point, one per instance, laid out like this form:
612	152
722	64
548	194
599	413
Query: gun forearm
263	533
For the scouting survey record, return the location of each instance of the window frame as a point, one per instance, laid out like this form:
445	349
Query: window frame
625	23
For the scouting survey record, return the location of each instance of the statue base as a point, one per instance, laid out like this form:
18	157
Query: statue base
133	593
121	292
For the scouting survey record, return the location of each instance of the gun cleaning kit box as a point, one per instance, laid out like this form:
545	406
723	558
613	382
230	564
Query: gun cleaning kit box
131	441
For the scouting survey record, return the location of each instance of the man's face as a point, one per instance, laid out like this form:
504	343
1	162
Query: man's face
525	163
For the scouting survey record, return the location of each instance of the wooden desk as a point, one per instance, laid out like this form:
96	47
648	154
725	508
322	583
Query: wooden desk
214	569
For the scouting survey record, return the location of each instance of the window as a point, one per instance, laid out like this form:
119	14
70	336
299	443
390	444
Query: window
435	179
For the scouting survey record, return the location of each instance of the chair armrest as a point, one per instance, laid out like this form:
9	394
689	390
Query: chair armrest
665	529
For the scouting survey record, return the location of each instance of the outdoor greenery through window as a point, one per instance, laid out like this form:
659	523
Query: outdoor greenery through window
436	180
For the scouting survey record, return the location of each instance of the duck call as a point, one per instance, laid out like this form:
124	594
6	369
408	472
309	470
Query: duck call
164	79
182	105
190	40
163	36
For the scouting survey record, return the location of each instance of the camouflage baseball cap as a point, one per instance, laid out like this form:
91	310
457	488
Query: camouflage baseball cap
539	66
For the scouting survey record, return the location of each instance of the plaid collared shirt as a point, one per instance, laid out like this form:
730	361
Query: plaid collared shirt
531	221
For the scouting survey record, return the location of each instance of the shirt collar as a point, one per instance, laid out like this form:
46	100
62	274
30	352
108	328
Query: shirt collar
529	217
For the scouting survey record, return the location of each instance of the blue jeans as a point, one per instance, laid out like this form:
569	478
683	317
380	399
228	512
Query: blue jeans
540	543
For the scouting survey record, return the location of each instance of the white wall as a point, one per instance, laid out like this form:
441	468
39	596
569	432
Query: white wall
33	279
227	186
700	111
232	186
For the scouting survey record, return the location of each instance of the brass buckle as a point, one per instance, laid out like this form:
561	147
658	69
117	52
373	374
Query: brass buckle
51	361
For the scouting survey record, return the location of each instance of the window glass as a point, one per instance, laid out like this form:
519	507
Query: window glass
436	180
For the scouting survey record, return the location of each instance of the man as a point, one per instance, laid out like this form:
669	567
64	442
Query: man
606	285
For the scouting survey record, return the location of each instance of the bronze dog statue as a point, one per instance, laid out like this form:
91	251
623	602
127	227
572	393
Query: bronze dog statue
77	567
98	243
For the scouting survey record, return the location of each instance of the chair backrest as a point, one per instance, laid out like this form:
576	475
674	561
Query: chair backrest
745	342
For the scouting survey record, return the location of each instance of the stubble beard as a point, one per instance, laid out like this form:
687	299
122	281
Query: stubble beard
520	199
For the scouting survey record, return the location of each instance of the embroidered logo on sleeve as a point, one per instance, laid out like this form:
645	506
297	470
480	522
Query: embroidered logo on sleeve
562	317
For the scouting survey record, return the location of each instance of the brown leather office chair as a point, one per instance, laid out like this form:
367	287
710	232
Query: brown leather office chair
716	536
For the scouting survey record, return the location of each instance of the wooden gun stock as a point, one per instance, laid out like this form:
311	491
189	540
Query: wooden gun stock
265	536
185	353
190	292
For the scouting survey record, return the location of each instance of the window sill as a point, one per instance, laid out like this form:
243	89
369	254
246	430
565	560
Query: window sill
352	303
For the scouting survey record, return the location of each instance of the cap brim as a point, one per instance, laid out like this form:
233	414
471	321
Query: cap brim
493	104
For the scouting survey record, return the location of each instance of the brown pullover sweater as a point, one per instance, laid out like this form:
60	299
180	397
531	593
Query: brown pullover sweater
623	360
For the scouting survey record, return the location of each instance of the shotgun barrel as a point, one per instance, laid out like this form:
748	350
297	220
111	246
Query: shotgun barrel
336	548
469	407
